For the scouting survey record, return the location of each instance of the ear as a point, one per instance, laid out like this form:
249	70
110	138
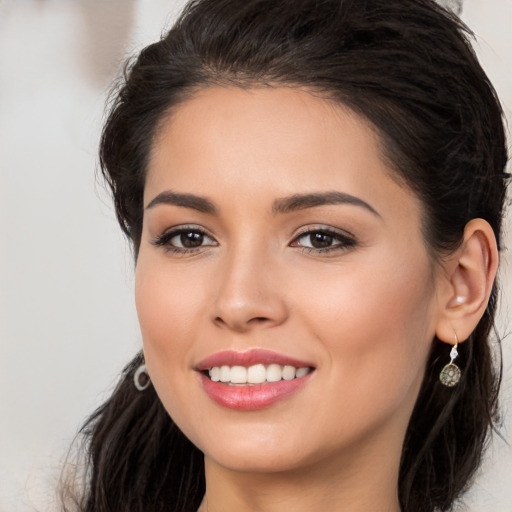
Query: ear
467	283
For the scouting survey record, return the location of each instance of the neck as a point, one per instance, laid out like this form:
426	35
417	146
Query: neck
332	486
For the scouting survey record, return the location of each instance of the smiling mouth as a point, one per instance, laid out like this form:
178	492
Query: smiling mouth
254	379
255	374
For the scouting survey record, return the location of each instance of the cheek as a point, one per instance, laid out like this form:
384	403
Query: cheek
168	307
167	302
167	315
376	324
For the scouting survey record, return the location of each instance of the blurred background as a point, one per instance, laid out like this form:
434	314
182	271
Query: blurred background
67	317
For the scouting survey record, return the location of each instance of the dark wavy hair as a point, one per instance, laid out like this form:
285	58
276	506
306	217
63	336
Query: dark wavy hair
407	66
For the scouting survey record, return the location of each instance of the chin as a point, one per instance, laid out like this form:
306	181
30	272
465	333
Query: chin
257	460
249	448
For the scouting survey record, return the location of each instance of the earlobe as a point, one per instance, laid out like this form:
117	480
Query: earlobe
470	274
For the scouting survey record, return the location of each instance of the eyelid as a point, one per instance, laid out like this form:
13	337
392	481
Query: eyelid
163	239
344	239
323	228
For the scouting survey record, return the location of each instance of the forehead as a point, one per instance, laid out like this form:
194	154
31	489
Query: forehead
277	141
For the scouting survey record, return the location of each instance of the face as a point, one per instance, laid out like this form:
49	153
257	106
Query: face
279	254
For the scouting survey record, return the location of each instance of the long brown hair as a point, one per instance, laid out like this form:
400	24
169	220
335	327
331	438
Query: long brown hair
406	66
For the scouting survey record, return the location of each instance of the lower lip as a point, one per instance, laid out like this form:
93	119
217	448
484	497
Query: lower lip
251	397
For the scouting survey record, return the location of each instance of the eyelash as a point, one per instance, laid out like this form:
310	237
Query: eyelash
164	240
344	241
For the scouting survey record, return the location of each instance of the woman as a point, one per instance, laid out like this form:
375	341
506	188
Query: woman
314	193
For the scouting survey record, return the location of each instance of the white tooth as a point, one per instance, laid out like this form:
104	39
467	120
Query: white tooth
288	372
301	372
256	374
215	374
238	375
225	373
274	372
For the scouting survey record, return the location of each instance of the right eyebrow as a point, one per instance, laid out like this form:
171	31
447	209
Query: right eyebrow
201	204
304	201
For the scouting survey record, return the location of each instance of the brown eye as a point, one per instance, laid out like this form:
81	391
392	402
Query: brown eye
188	239
184	239
323	240
320	240
191	239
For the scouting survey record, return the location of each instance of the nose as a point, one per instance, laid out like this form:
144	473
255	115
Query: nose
249	294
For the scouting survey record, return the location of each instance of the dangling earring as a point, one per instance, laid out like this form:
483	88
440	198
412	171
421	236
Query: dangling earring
141	378
450	374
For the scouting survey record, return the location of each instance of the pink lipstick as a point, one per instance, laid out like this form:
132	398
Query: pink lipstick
252	380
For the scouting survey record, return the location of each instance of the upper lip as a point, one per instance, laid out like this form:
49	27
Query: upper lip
249	358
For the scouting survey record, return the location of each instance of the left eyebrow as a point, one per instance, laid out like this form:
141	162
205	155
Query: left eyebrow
303	201
198	203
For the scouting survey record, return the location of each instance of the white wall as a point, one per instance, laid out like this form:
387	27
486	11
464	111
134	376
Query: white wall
67	318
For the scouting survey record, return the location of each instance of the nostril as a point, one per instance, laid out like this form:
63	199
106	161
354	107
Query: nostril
259	319
255	320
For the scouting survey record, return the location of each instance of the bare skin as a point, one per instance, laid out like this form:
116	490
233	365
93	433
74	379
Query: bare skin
344	282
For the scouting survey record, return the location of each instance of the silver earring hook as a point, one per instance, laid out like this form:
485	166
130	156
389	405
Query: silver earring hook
454	353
